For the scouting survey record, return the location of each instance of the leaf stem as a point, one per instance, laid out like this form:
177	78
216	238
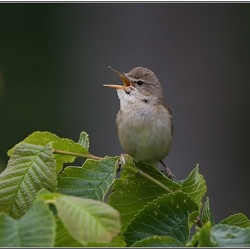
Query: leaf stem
136	170
199	222
90	156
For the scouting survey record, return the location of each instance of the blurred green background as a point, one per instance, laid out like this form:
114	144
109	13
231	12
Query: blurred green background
54	58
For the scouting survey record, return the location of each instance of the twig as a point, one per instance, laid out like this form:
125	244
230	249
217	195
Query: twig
90	156
136	170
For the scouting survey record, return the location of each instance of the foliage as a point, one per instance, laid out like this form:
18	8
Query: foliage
48	202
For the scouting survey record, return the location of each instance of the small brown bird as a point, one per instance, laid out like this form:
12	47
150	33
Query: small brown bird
144	121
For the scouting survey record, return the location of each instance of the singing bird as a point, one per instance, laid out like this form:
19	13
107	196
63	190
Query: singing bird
144	121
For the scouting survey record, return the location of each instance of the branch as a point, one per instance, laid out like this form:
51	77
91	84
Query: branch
136	170
90	156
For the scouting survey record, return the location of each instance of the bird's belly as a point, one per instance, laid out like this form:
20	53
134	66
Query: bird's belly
147	137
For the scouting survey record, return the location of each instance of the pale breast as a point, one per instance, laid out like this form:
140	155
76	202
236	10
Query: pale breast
145	132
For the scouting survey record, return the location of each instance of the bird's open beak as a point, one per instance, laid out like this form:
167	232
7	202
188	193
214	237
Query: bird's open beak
125	80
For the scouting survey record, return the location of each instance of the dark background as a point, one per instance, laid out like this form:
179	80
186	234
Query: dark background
54	59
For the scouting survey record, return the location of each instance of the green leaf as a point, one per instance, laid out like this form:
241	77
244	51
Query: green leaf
195	186
35	229
88	221
238	219
93	180
63	237
231	236
202	238
37	138
30	168
133	191
158	241
64	144
205	236
159	176
68	146
84	140
166	216
118	241
207	213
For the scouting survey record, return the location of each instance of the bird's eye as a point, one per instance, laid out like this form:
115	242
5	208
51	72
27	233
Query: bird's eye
140	82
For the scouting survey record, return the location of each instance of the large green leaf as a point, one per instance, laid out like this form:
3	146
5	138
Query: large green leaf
64	239
238	219
87	221
166	216
35	229
133	191
195	186
231	236
30	168
36	138
64	144
92	180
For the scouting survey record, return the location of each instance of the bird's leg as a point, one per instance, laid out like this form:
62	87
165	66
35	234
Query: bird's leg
167	171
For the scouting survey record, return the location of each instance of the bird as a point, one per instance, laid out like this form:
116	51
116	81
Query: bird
144	122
